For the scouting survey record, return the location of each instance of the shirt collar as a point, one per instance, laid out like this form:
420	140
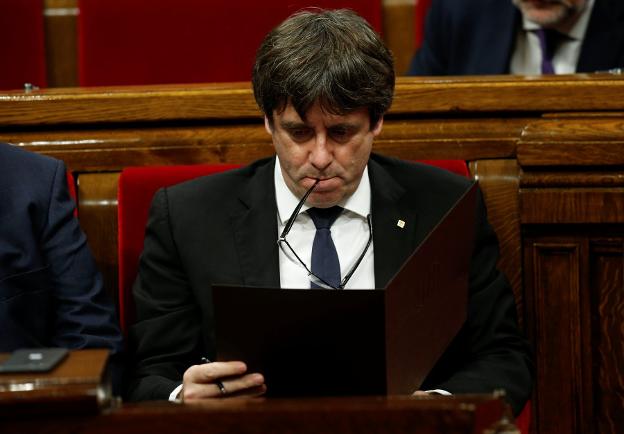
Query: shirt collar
358	203
577	32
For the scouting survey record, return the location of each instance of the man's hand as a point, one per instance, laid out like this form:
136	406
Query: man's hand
220	380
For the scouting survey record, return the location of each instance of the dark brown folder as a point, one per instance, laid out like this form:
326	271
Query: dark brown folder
355	342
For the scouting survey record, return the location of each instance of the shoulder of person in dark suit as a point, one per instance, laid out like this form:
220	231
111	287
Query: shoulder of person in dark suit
51	292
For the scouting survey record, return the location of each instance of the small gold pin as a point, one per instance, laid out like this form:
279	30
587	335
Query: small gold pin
401	224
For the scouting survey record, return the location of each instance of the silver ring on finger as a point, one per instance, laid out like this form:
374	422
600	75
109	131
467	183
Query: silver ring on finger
221	387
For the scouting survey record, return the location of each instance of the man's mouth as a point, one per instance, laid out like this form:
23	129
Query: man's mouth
324	184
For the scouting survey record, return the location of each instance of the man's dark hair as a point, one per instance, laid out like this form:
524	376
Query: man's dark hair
333	57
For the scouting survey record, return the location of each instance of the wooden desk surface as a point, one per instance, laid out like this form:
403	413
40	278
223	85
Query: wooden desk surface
78	385
262	416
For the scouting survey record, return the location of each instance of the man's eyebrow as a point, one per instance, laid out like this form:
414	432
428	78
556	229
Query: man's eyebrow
289	125
345	125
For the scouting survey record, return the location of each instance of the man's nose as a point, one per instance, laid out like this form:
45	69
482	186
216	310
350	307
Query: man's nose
321	154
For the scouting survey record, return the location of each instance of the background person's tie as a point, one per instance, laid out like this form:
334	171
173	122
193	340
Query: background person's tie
325	262
548	39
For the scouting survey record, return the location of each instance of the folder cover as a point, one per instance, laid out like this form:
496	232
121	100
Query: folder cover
321	342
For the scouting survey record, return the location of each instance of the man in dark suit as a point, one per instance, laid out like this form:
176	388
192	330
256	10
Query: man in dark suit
51	294
324	81
503	36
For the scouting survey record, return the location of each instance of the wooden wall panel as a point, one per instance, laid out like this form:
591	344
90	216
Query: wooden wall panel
499	182
97	212
587	205
103	149
61	40
415	97
589	139
607	308
554	315
398	31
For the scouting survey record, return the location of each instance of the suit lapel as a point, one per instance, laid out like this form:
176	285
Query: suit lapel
255	230
392	243
605	34
497	37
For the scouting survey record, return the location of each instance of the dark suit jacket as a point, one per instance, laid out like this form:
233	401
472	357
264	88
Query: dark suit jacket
478	37
223	229
51	293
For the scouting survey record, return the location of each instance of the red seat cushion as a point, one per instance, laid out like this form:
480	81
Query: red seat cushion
186	41
71	187
523	421
420	14
458	167
137	186
22	44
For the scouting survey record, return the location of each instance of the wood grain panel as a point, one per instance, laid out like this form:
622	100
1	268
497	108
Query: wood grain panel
563	153
112	149
554	316
574	141
61	42
398	32
350	415
498	180
607	291
578	205
566	153
594	178
577	127
127	104
506	93
479	95
97	212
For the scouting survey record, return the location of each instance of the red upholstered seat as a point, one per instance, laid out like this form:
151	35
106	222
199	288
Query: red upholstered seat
456	166
137	186
22	44
420	13
184	41
523	421
71	186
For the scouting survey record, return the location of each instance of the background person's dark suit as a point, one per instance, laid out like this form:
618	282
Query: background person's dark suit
51	293
223	229
478	37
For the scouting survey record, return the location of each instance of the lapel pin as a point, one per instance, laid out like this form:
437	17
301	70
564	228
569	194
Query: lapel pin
401	224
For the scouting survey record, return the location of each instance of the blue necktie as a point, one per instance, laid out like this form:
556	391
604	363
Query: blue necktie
325	262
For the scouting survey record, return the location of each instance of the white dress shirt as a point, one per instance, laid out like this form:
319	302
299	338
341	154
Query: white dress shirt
527	56
349	232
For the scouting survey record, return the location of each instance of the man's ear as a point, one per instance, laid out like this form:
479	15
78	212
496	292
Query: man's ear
377	128
267	125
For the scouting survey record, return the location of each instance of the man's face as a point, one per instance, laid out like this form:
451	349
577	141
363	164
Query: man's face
551	13
332	148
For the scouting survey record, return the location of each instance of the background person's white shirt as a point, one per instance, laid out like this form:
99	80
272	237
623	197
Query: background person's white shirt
527	56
